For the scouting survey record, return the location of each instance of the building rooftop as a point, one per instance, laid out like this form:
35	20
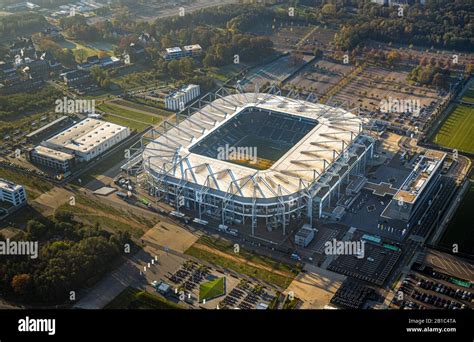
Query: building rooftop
45	127
180	92
173	49
49	152
420	176
8	185
304	232
85	135
192	47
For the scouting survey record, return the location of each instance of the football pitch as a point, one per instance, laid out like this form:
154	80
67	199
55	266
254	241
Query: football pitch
457	130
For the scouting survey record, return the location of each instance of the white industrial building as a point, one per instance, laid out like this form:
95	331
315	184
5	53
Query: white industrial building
12	193
85	140
178	99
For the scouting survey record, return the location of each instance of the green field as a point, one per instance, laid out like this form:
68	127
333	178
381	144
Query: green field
212	289
268	276
469	95
128	113
34	186
132	298
457	130
144	107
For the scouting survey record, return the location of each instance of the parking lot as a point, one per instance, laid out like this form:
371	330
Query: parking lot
240	293
274	72
319	76
437	281
374	267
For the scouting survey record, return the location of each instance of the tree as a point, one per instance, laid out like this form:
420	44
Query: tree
22	284
328	9
36	229
81	55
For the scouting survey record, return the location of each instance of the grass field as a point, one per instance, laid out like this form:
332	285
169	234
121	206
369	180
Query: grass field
212	289
133	125
34	186
468	96
266	275
132	298
93	211
77	47
144	107
128	113
457	130
226	72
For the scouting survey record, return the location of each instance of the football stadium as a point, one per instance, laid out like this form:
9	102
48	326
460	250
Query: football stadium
254	159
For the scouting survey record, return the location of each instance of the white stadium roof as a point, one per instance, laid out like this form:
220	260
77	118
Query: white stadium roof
305	163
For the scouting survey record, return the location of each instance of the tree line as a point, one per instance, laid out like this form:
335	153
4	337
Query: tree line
71	256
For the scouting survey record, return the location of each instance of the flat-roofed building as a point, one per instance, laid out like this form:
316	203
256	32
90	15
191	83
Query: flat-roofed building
49	129
420	184
178	99
192	50
88	138
304	236
58	160
176	52
173	53
12	193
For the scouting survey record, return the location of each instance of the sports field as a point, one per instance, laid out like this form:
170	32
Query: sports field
212	289
457	130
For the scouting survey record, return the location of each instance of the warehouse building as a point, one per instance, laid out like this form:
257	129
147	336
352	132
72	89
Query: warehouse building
57	160
88	138
82	142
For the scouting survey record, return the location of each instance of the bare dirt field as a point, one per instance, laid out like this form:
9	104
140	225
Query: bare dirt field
316	287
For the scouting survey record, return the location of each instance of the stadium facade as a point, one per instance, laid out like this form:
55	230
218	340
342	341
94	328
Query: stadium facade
306	151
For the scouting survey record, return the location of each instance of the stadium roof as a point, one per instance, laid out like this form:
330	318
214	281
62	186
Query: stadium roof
314	158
